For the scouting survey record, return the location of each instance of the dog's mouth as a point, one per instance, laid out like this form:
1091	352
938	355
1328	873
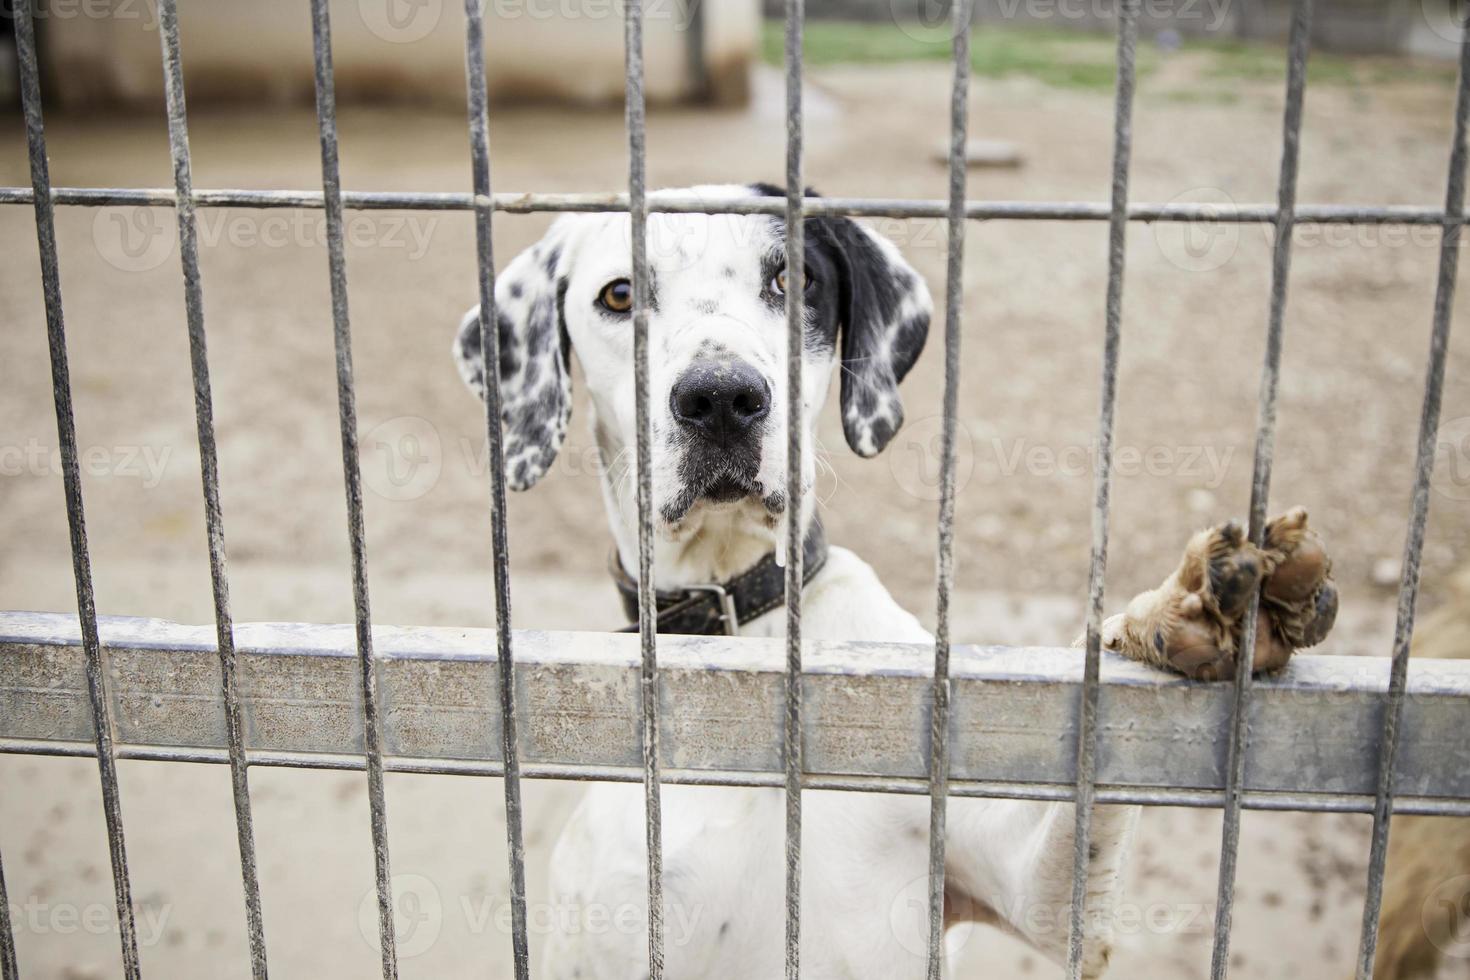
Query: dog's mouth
726	489
724	486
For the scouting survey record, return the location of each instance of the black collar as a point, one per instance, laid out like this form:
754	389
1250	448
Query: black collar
721	608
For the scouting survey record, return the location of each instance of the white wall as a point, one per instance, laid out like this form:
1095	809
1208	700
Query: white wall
107	51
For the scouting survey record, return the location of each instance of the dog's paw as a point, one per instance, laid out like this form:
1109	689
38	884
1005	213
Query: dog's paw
1193	622
1299	593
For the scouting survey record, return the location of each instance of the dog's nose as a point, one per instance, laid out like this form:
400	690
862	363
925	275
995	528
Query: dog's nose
721	399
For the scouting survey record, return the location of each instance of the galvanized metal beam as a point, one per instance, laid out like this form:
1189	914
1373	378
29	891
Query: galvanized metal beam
1013	715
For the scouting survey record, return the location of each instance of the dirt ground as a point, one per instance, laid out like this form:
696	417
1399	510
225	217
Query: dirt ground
1194	315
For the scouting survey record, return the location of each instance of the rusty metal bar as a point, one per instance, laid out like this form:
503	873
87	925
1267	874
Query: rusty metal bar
1298	48
1439	341
8	968
647	614
954	288
326	114
1086	769
479	132
66	434
178	136
795	532
675	202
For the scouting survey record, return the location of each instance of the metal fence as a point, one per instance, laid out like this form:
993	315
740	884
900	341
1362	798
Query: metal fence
285	696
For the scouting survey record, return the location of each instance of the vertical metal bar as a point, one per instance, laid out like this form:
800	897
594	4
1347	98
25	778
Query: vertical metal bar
490	344
647	614
178	137
795	334
1102	486
954	291
326	114
1444	301
8	969
66	434
1298	46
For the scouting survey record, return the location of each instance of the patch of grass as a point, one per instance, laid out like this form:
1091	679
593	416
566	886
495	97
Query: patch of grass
1066	60
1080	60
1246	61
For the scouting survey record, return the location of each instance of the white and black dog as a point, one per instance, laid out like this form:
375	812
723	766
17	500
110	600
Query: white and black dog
717	342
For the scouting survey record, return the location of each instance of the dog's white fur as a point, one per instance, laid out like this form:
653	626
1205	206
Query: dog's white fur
864	913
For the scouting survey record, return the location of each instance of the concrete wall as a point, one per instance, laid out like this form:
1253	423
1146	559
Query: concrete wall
106	52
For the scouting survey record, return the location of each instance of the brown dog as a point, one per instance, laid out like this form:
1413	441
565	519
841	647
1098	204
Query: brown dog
1424	852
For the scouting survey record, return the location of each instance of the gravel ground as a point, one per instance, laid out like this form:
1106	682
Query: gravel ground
1194	316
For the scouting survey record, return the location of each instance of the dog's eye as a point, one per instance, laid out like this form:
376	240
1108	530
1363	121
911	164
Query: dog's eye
778	284
616	296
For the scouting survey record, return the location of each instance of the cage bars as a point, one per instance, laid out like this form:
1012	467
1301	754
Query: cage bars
636	124
178	137
1102	485
1284	216
1439	341
479	136
66	434
326	114
1264	457
944	574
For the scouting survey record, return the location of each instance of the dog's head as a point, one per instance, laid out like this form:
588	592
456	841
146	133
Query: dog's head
717	341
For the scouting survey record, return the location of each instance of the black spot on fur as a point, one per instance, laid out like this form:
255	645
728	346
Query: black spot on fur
856	297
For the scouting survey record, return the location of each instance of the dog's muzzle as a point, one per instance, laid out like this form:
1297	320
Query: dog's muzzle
720	406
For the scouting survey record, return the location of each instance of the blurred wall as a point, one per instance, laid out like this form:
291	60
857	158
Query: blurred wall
106	52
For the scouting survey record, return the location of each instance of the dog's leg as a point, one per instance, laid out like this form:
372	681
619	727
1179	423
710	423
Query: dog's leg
1009	863
1192	623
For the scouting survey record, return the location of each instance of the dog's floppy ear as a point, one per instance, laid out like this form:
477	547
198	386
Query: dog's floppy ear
883	312
535	376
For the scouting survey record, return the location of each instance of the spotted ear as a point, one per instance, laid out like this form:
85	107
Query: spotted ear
535	375
884	310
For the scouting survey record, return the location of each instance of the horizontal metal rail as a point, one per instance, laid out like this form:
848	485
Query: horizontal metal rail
687	203
1013	719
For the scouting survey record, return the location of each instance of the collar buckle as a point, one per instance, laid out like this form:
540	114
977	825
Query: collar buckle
726	601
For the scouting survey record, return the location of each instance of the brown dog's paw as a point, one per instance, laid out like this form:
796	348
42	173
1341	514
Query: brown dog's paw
1193	622
1299	592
